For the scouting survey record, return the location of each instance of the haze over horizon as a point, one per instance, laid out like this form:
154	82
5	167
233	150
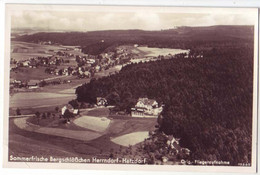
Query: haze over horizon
93	21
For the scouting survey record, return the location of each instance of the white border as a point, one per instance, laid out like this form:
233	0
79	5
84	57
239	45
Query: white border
253	3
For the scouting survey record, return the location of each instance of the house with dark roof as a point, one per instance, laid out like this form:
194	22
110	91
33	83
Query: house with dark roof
146	108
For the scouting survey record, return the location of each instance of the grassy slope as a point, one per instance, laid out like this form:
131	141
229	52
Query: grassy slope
41	144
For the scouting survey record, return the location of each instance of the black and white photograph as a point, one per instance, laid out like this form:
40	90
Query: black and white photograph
128	85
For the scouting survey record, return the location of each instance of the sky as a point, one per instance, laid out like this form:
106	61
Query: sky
73	20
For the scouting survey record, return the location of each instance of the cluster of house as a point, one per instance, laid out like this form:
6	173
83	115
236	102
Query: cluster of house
81	72
173	144
173	149
35	62
189	54
87	64
146	108
32	84
31	63
45	42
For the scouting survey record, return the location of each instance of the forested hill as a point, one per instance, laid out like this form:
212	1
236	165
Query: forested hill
182	37
208	101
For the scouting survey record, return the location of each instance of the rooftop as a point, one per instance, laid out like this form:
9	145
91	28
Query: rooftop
147	101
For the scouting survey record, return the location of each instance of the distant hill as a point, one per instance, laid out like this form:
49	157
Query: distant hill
182	37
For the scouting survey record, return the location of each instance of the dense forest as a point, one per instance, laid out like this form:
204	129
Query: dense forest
96	42
208	101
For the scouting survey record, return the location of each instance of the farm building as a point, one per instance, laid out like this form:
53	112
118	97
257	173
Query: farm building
147	108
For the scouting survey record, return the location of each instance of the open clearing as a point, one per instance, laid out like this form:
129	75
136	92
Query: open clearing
67	140
72	134
27	74
93	123
98	112
25	56
33	99
25	50
153	52
125	126
131	139
23	146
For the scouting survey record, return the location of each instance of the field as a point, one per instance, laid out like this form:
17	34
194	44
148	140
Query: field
75	140
83	135
93	123
25	143
98	112
25	56
39	99
25	74
154	52
131	139
25	50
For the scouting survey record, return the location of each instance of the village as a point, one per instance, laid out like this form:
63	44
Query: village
68	62
64	65
45	77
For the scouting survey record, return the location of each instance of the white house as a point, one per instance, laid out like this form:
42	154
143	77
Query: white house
91	61
146	108
87	73
97	68
69	107
101	101
26	63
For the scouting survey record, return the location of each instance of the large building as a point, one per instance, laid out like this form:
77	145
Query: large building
146	108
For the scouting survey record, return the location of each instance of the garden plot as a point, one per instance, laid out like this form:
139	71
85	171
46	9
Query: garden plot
131	139
93	123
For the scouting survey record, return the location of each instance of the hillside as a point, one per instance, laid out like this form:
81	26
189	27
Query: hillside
208	101
183	37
